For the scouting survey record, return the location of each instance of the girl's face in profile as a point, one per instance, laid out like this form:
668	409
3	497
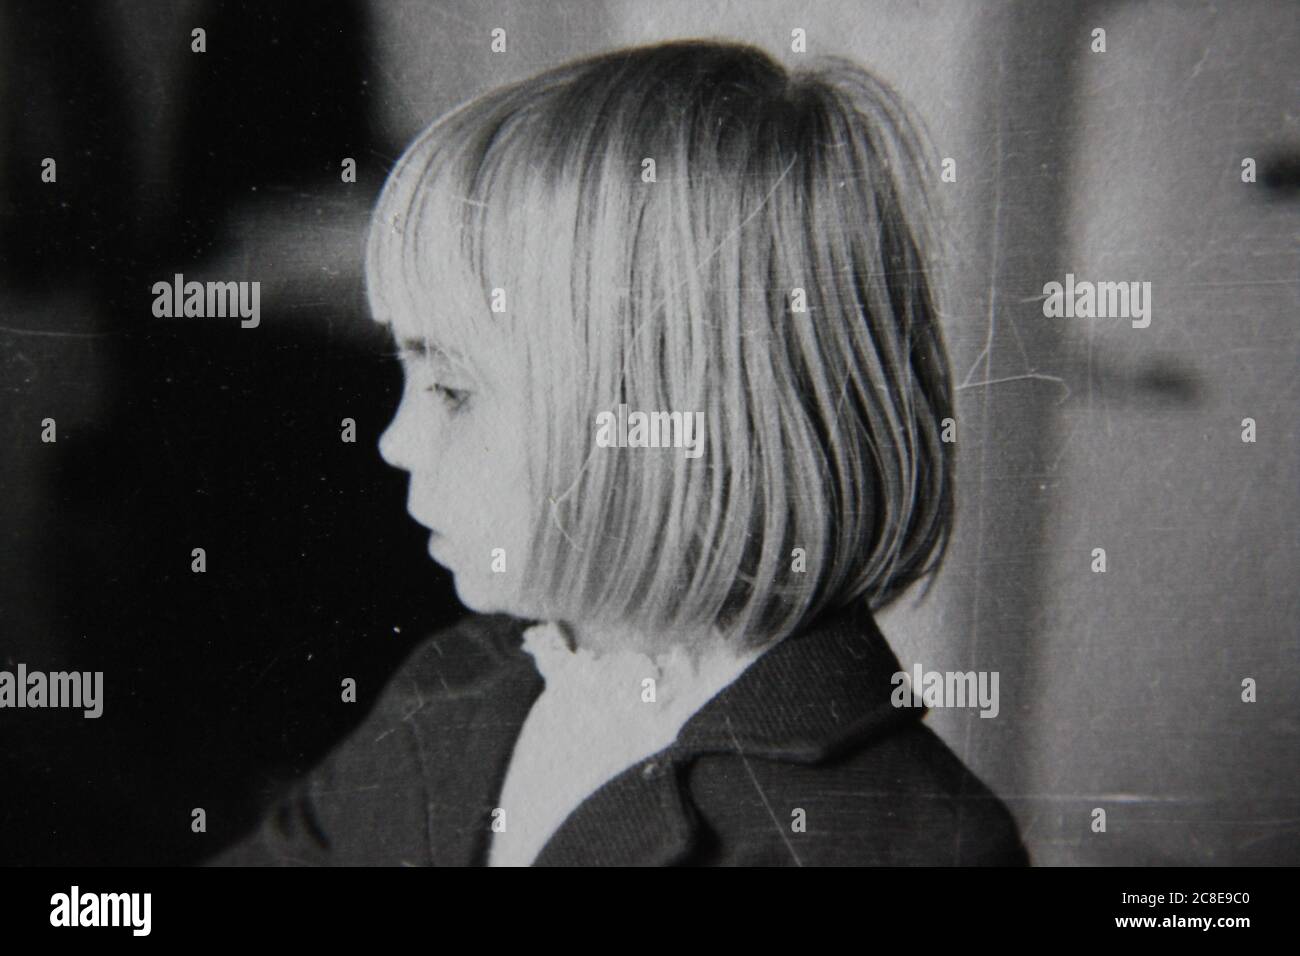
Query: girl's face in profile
460	433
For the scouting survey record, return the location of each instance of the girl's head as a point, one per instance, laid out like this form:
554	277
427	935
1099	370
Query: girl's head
680	228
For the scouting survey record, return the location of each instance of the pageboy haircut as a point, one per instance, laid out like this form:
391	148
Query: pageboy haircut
677	292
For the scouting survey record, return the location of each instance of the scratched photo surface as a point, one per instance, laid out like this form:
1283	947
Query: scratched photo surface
209	579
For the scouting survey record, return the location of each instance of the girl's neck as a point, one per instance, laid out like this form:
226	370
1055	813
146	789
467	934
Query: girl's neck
603	638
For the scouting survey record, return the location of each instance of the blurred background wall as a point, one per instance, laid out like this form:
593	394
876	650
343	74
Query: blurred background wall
1119	690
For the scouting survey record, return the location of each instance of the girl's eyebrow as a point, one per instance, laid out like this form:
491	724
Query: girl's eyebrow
420	348
427	351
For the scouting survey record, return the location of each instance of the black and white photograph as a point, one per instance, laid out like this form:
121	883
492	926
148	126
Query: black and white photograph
632	433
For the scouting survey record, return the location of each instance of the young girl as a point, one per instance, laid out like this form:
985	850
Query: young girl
674	658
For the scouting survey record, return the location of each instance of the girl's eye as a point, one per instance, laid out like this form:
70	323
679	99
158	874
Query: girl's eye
453	398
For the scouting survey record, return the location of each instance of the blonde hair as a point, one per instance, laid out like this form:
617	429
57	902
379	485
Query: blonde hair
823	426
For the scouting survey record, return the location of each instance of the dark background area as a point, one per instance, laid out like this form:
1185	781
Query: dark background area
174	434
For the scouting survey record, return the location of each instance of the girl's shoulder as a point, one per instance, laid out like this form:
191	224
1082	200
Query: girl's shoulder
368	801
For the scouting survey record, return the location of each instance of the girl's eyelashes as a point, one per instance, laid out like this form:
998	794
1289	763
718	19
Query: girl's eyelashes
453	399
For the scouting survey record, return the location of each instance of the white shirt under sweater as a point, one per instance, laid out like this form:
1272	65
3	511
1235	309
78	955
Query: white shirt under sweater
591	722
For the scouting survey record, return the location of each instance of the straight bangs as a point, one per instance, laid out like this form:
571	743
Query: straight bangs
426	262
688	228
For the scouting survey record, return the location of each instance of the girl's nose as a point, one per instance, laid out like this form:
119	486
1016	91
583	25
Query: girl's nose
395	445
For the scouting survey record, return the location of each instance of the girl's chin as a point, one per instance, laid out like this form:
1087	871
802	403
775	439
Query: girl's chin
484	597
